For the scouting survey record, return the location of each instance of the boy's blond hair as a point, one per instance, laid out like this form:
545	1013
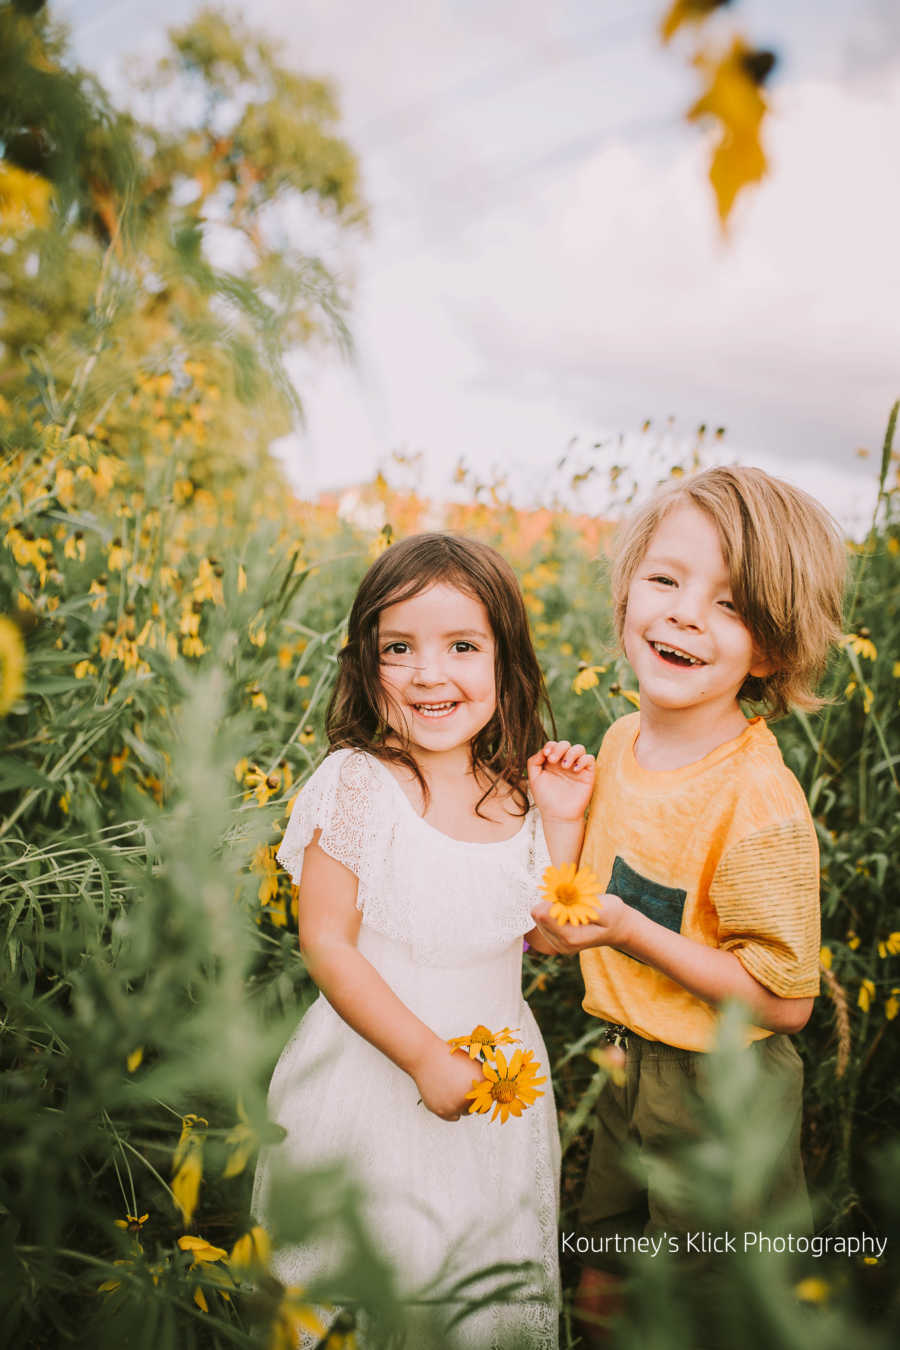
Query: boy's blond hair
787	563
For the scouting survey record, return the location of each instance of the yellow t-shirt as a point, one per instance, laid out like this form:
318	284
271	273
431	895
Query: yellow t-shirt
723	851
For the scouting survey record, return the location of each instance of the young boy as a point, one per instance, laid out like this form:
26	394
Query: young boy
726	587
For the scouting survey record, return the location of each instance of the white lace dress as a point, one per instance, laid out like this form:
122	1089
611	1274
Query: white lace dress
442	922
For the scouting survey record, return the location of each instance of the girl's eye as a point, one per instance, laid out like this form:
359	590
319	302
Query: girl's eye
395	649
463	646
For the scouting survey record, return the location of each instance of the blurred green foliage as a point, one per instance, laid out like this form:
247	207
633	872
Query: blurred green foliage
180	613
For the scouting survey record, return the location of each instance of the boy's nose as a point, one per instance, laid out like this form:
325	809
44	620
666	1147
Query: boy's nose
686	611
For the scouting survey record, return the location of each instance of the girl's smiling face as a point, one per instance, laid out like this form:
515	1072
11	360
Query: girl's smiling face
686	643
436	666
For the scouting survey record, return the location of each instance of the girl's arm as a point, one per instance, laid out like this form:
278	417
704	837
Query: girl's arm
561	778
329	923
712	973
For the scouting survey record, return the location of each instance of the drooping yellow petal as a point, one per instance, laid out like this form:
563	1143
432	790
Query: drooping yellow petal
187	1165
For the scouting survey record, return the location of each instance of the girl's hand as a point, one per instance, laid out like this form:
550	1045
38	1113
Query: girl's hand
444	1078
561	778
611	929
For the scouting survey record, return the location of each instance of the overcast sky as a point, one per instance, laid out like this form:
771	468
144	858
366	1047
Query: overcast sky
544	262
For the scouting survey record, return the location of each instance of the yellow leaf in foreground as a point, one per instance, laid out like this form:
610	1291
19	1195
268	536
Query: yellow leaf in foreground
733	100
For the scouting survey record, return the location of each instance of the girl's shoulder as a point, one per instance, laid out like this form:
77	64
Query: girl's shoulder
341	799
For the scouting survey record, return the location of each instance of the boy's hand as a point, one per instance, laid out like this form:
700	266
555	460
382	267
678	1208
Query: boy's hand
561	778
610	930
444	1078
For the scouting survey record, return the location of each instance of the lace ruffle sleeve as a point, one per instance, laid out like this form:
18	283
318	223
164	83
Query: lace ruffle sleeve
337	801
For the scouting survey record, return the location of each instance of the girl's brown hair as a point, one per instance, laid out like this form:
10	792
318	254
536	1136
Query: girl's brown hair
787	563
355	716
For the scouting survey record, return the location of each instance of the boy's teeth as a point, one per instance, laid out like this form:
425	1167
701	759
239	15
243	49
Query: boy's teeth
674	651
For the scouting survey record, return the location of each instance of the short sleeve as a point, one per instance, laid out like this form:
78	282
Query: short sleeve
335	800
766	894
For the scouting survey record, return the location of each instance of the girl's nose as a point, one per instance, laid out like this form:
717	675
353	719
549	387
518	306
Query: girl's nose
428	670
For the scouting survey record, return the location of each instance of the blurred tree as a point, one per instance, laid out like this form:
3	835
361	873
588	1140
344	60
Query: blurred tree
164	249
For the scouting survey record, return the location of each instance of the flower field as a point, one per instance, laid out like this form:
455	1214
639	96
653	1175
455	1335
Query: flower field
170	614
167	654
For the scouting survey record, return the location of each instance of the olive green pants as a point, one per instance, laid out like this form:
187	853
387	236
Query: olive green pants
650	1115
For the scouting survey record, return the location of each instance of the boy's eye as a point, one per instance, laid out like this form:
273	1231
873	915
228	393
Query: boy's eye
729	605
665	581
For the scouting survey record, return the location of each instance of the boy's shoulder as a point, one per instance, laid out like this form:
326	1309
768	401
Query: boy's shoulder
622	732
747	779
763	779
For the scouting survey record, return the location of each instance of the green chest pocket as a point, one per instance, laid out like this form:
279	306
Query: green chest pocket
662	904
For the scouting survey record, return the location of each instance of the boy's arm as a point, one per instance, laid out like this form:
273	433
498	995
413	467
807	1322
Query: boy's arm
711	973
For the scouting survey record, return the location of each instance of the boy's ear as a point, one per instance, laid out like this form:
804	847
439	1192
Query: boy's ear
762	666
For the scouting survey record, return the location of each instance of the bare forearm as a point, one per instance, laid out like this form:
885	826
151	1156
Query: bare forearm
564	839
711	973
367	1003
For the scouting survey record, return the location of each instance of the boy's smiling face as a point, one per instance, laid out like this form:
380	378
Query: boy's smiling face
685	641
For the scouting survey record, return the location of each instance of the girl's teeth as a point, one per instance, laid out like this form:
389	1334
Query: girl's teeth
434	709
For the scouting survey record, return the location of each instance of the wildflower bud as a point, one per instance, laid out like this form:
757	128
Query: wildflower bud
79	534
864	632
129	609
28	534
109	626
197	607
218	570
272	782
117	542
582	665
615	689
102	579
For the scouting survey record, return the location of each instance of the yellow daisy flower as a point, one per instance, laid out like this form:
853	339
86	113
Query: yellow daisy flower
251	1252
291	1317
187	1165
12	664
587	678
812	1290
508	1088
861	643
131	1223
572	894
205	1256
481	1042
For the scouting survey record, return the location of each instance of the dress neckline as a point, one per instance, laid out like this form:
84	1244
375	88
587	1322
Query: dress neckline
451	839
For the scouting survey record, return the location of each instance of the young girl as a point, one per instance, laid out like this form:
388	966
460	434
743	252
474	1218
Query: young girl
419	859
